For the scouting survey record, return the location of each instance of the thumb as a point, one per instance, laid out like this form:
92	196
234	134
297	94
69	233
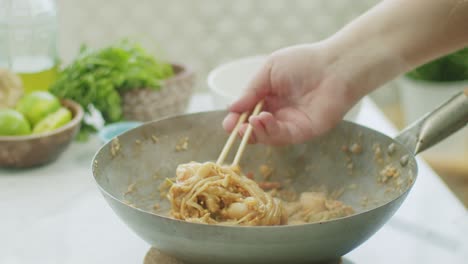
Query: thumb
257	89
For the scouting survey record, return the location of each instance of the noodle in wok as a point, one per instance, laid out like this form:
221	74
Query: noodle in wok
212	194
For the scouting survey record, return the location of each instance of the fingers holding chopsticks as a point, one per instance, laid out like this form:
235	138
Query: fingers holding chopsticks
267	129
256	91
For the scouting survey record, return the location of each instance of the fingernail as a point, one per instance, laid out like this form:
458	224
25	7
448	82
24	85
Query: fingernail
224	121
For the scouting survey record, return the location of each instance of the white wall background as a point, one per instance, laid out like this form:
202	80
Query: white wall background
202	33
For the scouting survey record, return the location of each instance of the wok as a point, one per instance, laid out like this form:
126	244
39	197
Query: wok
129	169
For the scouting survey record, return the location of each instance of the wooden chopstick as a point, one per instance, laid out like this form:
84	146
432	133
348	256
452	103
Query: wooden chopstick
245	138
232	137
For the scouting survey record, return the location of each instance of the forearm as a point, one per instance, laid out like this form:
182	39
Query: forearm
396	36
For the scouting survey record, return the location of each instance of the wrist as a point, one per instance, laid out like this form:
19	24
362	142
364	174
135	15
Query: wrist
365	60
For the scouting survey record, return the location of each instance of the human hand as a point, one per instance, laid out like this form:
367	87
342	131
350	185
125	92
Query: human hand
307	89
303	96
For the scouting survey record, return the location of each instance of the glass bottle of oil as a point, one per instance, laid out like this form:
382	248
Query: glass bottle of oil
28	41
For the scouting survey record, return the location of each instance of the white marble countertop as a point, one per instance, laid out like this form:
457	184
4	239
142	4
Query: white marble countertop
55	214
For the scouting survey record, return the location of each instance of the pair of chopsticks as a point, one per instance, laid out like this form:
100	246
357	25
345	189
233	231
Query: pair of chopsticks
245	138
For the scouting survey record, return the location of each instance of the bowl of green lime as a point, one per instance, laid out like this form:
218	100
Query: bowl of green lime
37	129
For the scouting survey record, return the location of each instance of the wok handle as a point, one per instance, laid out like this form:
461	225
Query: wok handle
436	125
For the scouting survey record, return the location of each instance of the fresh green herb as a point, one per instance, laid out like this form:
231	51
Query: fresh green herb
97	77
452	67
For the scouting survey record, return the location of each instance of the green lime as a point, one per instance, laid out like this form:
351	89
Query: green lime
13	123
53	121
37	105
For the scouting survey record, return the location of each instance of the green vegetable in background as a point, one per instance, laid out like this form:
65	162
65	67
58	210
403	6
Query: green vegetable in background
13	123
450	68
37	105
53	121
97	77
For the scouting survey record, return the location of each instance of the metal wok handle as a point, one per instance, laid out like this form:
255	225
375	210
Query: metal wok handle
436	125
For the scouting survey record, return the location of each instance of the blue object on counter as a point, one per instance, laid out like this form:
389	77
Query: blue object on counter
110	131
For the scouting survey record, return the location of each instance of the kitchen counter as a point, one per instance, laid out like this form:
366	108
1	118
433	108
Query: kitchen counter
55	214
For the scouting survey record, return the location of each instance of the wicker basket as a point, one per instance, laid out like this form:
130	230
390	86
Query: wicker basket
172	99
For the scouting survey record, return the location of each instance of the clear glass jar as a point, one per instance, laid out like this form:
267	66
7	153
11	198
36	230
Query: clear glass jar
28	41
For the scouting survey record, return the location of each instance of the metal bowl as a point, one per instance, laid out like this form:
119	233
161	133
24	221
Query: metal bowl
130	168
374	171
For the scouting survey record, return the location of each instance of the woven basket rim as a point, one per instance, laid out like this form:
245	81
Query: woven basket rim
184	73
